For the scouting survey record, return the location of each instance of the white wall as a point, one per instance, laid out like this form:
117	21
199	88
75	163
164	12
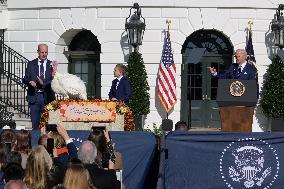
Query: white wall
55	23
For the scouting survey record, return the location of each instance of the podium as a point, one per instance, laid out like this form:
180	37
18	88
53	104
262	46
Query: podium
236	100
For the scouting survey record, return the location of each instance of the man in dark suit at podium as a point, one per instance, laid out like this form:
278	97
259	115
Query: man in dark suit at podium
38	77
240	70
236	115
121	87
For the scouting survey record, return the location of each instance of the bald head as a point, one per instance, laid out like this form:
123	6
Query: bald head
42	50
15	184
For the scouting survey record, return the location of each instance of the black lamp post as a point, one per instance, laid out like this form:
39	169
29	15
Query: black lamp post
277	27
135	27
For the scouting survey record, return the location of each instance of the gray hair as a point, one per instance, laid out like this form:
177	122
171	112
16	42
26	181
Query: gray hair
242	51
87	152
122	68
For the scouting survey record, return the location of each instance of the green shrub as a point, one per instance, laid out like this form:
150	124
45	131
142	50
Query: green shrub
140	101
272	102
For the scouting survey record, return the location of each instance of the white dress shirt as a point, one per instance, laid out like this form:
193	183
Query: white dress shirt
119	78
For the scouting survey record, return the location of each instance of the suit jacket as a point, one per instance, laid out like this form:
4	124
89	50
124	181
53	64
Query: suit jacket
31	74
102	179
65	158
123	91
248	72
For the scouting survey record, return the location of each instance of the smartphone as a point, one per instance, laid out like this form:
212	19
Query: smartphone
105	159
50	145
9	145
99	128
51	127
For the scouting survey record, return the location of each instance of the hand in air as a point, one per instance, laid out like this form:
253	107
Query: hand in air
212	70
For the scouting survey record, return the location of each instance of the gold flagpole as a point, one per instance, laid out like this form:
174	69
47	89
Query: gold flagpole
168	22
250	24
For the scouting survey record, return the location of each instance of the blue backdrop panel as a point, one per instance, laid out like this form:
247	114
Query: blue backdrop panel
137	149
203	160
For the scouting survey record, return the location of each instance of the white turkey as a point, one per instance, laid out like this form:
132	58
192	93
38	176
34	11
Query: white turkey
67	85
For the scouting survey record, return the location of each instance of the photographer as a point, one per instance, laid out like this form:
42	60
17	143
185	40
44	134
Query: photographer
59	139
101	178
101	138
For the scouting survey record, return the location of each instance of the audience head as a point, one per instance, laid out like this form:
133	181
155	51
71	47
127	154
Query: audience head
43	140
76	177
14	157
38	168
24	142
4	152
59	141
87	152
181	126
15	184
99	139
8	136
13	171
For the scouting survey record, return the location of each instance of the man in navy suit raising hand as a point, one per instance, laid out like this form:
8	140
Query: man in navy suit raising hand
38	77
239	70
121	87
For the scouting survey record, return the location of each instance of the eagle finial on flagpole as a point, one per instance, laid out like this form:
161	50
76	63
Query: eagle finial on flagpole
168	22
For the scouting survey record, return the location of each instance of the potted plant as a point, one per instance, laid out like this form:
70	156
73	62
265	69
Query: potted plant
140	101
272	102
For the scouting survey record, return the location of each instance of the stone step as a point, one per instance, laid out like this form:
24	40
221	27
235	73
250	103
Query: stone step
23	123
204	129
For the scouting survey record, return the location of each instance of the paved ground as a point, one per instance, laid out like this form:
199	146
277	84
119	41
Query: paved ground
204	129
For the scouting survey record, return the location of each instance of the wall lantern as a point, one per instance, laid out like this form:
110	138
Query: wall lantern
277	27
135	27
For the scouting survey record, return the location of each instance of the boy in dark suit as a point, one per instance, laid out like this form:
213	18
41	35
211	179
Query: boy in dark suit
38	77
121	87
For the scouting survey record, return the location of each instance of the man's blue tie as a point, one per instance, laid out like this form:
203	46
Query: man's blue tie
239	72
41	70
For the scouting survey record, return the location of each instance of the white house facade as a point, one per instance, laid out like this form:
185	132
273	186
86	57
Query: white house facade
89	38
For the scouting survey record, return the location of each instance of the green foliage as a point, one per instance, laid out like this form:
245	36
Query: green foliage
156	130
136	72
272	103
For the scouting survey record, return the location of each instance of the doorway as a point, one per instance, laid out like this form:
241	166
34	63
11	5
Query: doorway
198	88
84	61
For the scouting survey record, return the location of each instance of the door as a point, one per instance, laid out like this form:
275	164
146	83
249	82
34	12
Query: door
198	87
88	70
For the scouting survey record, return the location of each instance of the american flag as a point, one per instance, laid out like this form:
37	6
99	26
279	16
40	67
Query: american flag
249	48
166	76
251	58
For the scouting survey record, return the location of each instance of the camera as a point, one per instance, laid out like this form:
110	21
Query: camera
50	145
51	127
105	159
99	128
9	145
